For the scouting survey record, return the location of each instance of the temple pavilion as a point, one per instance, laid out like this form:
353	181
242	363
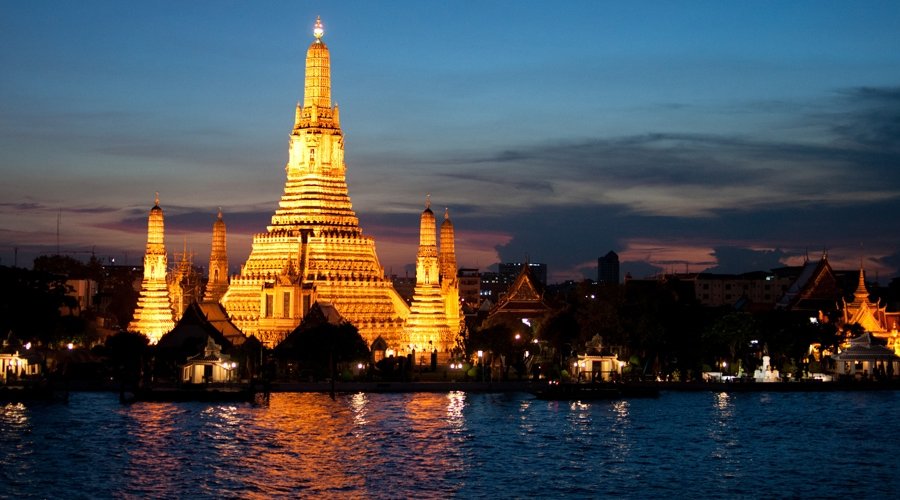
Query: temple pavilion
871	316
523	302
866	356
314	249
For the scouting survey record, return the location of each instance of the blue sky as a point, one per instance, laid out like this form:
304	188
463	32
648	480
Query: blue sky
731	136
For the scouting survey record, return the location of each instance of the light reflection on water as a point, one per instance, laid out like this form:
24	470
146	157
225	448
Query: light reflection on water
454	444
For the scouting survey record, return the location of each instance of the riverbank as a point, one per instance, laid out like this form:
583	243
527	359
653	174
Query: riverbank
510	386
530	386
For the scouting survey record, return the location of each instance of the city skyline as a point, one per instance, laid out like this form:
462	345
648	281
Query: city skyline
719	136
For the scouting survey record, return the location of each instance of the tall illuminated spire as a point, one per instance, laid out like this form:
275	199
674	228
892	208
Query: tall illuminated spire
314	249
217	283
317	90
153	315
449	280
426	327
448	248
427	241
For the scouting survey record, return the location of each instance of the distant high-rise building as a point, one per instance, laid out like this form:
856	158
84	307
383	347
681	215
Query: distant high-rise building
470	286
314	248
153	315
608	269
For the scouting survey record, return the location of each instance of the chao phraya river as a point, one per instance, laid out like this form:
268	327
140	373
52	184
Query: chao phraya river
700	445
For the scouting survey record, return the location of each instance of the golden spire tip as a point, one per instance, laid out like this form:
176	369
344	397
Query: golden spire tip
318	30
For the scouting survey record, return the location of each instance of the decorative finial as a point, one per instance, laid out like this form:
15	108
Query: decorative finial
318	30
220	213
428	200
156	200
447	213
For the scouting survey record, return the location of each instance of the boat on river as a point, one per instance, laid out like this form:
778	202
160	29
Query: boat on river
596	391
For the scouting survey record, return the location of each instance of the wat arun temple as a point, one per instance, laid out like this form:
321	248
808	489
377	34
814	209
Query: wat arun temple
314	250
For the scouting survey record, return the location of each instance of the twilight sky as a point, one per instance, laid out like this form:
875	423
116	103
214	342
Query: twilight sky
722	135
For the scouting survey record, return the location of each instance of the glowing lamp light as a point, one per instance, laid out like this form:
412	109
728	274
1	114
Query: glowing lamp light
518	336
70	346
28	345
480	354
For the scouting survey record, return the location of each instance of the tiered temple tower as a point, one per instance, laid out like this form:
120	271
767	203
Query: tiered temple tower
434	319
314	248
217	284
449	279
426	327
153	315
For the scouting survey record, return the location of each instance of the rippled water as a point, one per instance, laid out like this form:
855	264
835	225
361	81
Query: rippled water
456	444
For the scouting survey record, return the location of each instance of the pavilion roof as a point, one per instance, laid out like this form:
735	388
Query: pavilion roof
192	326
865	348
